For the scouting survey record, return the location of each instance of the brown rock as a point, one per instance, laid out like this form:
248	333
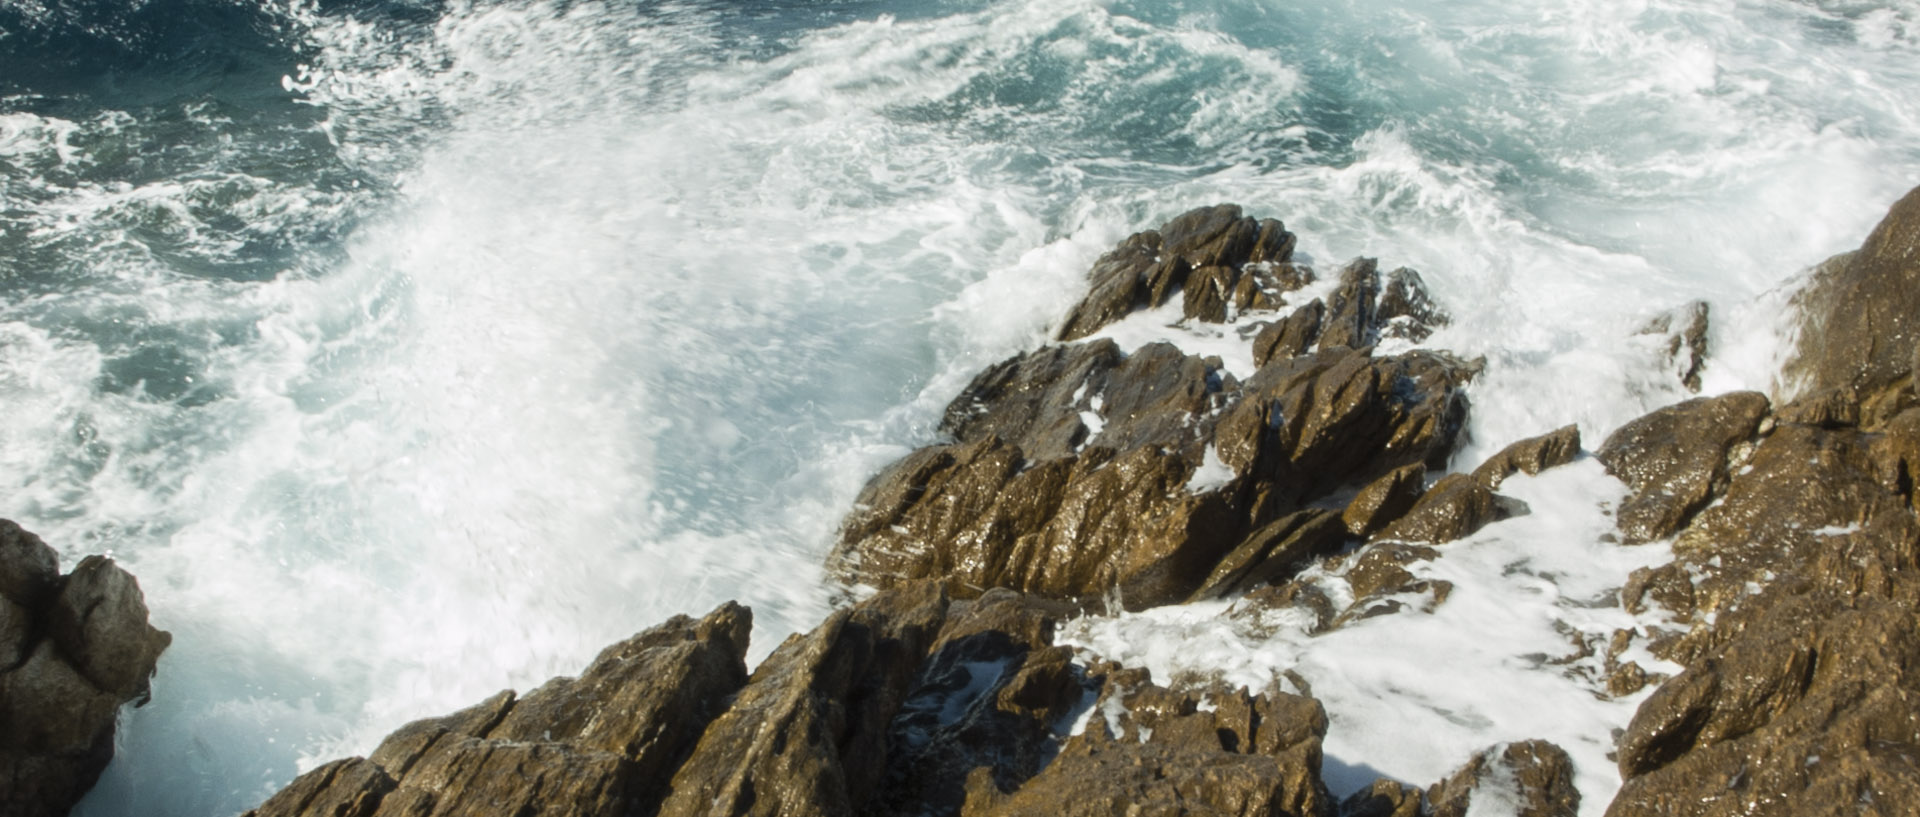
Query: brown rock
1453	508
603	743
1830	408
1203	251
1350	319
808	734
1383	798
1275	552
1810	710
1530	456
1118	286
1533	778
1383	570
1406	310
1251	755
1291	337
1385	500
1675	459
1860	317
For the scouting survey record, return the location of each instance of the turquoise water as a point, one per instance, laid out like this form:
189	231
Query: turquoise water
409	351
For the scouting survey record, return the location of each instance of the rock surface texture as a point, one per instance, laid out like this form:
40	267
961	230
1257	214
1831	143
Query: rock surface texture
1085	470
1795	591
909	703
73	649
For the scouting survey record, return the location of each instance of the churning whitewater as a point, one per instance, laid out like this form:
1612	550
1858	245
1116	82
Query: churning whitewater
407	351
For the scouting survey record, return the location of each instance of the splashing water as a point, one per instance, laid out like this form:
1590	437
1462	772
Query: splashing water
407	351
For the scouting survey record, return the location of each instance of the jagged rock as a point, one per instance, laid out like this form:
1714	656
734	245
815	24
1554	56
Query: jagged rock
1807	496
604	743
1675	459
1531	778
1406	311
1275	552
808	734
1148	267
1830	408
73	649
1529	456
1290	337
1455	507
1162	754
1350	318
1385	500
1813	709
1383	798
1860	318
1029	497
1686	332
987	704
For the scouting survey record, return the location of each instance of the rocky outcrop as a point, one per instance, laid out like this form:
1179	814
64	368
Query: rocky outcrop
1794	593
602	743
1860	319
1677	458
73	649
1087	471
908	703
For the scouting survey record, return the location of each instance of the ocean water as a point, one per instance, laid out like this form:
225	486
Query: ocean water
407	351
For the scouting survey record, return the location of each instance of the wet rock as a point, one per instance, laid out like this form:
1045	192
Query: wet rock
1686	340
1830	408
1275	552
1383	571
1812	503
1161	753
1454	508
1860	318
1221	259
1531	778
1383	798
1674	460
1385	500
1810	710
1186	463
1290	337
1350	319
73	649
1405	310
808	734
602	743
1530	456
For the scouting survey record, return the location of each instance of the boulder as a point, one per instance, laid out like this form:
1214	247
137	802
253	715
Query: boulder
1859	318
73	649
1385	499
1454	508
1674	460
1530	456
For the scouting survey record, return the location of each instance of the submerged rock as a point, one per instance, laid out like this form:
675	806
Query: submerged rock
73	649
1531	778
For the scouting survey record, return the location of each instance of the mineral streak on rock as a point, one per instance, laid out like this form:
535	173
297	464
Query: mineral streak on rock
73	649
